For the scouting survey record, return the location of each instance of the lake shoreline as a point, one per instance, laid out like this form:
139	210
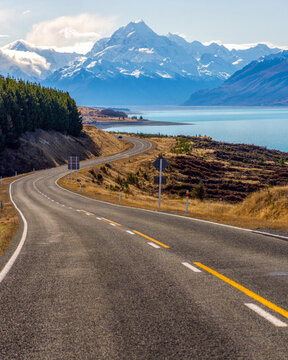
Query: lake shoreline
105	125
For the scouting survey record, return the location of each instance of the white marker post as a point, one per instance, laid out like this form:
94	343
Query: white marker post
120	194
160	181
187	200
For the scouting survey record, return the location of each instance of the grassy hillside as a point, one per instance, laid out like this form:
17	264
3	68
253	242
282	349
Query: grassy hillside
269	204
228	176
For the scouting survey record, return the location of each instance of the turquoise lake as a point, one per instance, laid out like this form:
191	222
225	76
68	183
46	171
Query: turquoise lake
259	126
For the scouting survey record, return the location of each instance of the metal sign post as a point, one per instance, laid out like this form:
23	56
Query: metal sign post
160	164
74	164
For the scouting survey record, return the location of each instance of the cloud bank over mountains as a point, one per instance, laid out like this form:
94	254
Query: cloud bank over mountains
134	65
71	33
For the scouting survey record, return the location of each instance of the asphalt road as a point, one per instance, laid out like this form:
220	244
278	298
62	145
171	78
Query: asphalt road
100	281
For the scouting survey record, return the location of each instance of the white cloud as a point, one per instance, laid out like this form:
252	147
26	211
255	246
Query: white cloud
4	36
26	12
71	32
30	63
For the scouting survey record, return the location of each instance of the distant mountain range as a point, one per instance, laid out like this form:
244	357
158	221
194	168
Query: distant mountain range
263	82
21	59
133	66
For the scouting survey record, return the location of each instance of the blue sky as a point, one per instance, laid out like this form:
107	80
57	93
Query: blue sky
79	23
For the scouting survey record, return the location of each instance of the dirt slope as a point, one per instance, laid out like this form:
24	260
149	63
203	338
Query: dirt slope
43	149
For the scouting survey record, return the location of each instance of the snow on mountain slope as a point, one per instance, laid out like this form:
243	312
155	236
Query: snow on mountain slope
262	82
22	59
136	62
136	50
22	64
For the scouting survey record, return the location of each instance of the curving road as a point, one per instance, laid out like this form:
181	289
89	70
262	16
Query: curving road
101	281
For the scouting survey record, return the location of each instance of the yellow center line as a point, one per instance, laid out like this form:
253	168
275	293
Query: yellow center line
149	238
110	221
246	291
86	212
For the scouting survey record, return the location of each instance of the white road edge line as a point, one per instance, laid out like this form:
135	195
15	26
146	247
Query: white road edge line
16	253
130	232
154	245
272	319
191	267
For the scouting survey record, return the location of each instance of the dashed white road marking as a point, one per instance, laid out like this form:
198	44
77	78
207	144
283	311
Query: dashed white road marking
112	224
154	245
78	210
275	321
191	267
98	218
130	232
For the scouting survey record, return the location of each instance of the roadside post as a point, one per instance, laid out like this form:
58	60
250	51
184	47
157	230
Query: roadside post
187	200
74	164
160	164
120	194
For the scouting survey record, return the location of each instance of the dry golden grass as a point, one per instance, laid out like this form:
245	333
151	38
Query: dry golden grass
9	222
269	204
266	209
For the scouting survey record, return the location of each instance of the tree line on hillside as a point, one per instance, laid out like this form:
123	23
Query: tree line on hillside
26	107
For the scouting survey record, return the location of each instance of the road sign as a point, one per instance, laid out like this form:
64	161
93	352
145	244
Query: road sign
165	163
73	163
163	182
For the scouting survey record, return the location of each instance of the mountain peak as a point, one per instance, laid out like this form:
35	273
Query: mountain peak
19	45
134	27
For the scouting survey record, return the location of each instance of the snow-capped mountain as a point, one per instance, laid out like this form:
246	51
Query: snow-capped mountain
136	50
136	66
133	66
21	59
263	82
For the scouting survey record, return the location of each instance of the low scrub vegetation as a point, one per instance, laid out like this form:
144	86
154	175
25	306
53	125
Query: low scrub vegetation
218	191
